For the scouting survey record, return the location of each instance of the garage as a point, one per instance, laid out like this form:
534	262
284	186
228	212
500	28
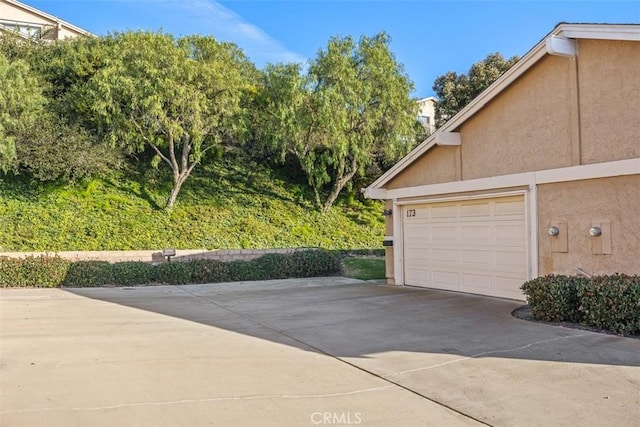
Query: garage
476	246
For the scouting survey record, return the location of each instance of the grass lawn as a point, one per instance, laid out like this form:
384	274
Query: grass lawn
364	268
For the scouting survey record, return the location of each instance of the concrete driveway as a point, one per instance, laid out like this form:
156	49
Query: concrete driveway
304	352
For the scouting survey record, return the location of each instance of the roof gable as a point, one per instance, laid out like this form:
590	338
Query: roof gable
558	42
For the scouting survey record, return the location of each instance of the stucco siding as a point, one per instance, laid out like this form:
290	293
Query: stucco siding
581	204
526	128
609	75
16	14
440	164
13	13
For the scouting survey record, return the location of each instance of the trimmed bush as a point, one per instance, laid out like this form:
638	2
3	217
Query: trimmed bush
88	274
174	273
52	271
612	302
132	273
554	298
605	302
314	263
37	272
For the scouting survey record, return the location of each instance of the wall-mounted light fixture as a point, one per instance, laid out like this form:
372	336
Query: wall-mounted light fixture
595	231
553	231
387	212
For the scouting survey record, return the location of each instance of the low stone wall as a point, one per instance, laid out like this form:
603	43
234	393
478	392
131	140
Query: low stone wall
155	256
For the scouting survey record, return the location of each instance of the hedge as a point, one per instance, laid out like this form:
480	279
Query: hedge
606	302
612	302
53	271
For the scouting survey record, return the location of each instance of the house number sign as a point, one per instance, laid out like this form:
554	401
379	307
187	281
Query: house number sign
411	213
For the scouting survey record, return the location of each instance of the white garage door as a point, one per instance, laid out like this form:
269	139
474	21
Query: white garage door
476	246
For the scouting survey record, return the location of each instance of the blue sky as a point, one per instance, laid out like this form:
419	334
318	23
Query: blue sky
428	37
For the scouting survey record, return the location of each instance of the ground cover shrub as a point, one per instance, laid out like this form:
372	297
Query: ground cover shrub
612	302
37	272
554	298
226	205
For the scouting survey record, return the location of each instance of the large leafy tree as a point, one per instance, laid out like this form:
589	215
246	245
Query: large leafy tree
45	139
179	97
21	101
455	91
350	107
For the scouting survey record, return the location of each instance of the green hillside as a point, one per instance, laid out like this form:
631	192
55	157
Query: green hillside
232	204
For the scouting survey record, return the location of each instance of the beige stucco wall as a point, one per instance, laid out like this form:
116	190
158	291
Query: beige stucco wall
526	128
580	204
609	75
440	164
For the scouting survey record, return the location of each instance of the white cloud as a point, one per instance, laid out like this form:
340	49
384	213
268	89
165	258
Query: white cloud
210	17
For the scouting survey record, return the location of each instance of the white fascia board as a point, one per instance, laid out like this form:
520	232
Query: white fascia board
573	173
591	171
623	32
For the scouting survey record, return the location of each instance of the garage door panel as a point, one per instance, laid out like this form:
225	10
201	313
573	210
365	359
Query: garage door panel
509	207
475	210
445	280
477	282
444	211
511	258
508	287
477	247
445	255
444	232
510	231
480	232
476	257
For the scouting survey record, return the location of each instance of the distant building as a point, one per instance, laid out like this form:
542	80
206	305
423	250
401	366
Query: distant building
31	23
427	113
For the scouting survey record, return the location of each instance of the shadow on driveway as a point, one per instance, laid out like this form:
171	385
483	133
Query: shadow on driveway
349	318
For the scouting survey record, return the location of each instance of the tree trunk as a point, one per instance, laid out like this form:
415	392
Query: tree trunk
339	185
177	185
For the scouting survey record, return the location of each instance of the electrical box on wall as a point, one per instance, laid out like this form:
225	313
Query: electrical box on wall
388	241
600	234
559	235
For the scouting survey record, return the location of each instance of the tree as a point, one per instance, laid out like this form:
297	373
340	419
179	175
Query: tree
352	105
177	96
21	100
51	149
455	91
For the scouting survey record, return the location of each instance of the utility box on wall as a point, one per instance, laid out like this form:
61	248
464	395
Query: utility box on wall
600	243
559	235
